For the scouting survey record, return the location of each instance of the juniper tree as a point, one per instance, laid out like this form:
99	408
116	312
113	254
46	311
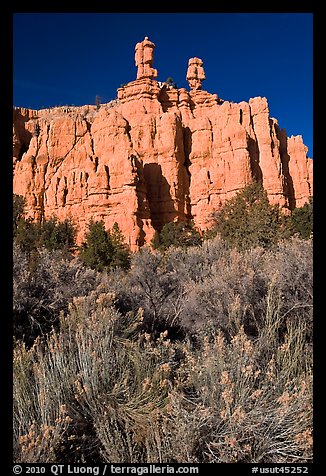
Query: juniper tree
248	219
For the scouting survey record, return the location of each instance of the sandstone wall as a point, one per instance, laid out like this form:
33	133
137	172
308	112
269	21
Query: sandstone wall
154	155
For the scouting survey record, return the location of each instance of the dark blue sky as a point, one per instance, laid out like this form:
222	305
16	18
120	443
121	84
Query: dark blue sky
69	58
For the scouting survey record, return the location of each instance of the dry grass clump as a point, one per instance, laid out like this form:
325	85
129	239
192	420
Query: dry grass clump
110	382
102	389
186	288
44	283
248	409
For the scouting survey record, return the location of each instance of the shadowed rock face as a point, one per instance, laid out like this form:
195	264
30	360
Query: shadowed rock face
154	155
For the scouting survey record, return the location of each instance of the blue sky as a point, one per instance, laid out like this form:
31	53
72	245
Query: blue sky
69	58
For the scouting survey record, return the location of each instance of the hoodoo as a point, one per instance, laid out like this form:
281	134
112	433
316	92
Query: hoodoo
153	155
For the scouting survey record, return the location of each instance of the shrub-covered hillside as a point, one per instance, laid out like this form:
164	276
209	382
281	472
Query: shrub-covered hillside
197	353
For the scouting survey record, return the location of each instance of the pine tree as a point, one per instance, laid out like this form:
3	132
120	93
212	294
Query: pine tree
96	252
121	256
248	219
56	235
18	211
301	221
104	249
176	234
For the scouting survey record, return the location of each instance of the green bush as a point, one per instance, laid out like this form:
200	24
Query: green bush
18	211
300	222
56	235
248	219
104	249
25	231
170	82
51	233
176	234
27	235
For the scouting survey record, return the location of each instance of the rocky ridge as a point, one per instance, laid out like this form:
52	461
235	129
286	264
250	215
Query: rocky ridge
153	155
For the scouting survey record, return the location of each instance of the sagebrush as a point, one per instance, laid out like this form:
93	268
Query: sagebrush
193	355
197	351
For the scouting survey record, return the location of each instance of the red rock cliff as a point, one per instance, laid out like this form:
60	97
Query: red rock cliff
153	155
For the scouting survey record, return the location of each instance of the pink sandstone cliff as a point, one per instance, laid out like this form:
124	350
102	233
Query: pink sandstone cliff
153	155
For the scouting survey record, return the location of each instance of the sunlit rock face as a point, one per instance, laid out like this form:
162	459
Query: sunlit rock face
153	155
